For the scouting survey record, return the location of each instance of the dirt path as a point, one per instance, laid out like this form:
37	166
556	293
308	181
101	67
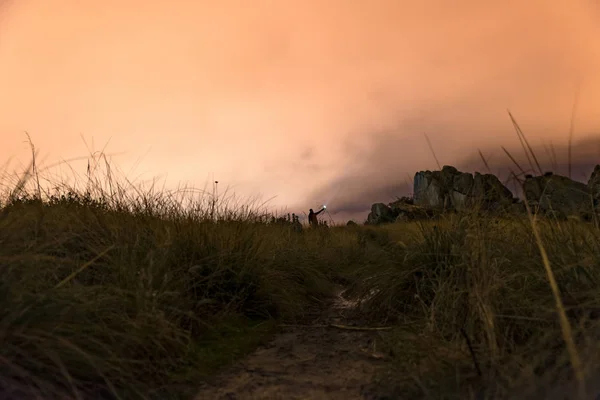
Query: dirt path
313	361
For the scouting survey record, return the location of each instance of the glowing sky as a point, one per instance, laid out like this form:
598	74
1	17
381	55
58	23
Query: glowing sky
299	100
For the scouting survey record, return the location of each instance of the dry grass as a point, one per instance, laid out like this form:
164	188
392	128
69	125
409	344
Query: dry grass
468	279
117	290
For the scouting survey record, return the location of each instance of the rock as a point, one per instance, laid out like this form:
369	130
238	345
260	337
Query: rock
517	207
488	190
463	183
435	188
351	223
427	191
460	201
404	211
594	185
558	195
380	214
404	200
450	188
462	186
401	210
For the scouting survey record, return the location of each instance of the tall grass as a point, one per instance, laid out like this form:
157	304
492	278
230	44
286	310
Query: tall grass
467	281
115	289
111	290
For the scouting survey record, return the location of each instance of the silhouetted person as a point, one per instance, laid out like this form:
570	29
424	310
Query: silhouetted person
312	217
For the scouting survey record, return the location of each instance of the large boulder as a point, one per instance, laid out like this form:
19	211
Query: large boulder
380	214
450	188
558	195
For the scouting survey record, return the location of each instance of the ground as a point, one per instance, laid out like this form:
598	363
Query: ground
331	356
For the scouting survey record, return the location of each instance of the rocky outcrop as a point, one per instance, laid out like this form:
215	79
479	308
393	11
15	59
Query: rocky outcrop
452	189
558	195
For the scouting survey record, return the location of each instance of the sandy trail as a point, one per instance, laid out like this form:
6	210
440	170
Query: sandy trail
312	361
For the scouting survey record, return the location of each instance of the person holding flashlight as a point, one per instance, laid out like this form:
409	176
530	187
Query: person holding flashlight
312	217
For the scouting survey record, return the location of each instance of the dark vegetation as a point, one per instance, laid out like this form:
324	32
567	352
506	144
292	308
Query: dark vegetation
114	291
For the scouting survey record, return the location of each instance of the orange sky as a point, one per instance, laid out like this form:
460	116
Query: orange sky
282	98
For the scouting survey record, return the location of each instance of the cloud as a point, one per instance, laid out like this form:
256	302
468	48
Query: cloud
312	102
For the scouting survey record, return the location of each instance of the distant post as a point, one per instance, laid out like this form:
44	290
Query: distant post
214	199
